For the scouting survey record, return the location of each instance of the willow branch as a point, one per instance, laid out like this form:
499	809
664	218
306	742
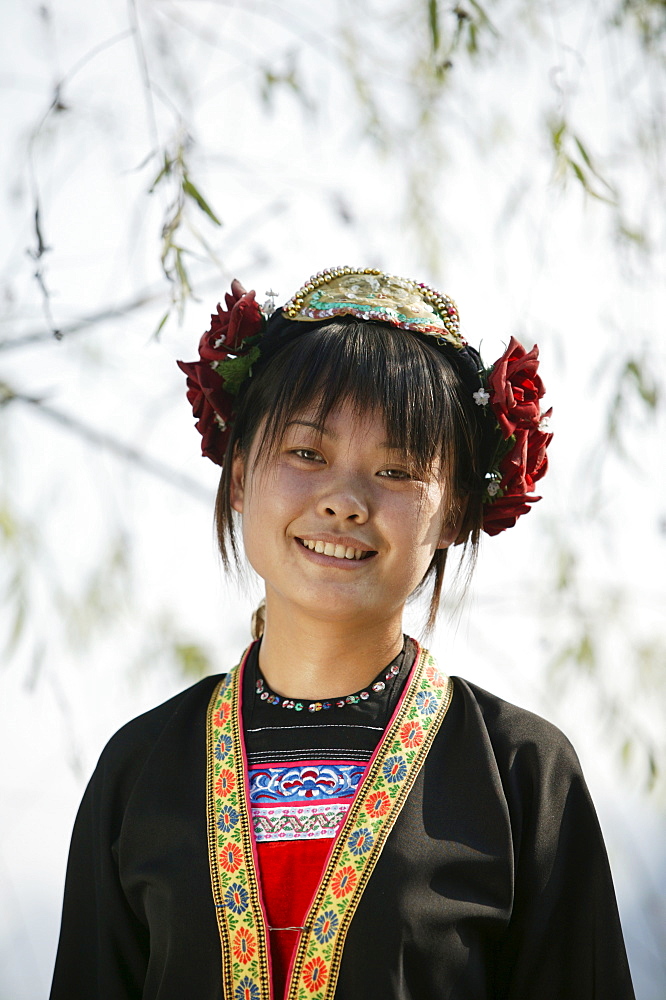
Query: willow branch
85	322
102	439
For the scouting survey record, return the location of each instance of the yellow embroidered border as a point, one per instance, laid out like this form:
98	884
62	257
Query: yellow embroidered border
241	921
234	878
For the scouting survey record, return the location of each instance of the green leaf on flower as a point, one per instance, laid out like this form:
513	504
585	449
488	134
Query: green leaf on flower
234	371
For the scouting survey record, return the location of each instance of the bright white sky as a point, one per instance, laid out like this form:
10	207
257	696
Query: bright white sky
517	253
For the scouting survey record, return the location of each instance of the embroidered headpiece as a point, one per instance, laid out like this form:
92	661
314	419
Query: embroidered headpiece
371	294
509	392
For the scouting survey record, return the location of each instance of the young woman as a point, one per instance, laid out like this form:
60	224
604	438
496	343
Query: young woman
335	817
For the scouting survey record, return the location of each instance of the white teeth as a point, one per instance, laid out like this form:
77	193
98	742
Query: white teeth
337	551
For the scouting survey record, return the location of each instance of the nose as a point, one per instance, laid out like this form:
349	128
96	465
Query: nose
345	503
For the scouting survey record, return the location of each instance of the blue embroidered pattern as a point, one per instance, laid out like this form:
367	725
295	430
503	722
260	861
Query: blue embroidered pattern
361	841
427	703
223	747
236	898
394	769
227	819
247	990
305	783
325	926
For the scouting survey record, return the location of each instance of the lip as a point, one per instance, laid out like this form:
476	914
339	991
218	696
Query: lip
341	564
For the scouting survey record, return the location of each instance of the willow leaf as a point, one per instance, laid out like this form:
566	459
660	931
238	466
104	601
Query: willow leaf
195	194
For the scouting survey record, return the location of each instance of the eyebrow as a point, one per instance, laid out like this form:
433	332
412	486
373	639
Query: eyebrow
320	428
325	431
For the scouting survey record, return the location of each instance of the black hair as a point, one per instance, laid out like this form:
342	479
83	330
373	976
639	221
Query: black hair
415	386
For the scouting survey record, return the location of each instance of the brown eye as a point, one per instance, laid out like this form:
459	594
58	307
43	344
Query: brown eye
398	474
307	454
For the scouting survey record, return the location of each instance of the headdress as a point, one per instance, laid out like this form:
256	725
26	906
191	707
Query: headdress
245	335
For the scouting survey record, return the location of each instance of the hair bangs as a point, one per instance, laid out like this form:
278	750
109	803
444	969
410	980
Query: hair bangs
373	368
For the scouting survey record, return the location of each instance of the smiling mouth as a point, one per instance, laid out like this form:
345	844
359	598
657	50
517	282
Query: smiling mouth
336	551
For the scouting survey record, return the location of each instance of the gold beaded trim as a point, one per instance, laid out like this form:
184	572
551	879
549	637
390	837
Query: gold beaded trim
444	306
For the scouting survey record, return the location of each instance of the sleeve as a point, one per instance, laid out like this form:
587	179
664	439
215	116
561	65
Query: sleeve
564	939
103	947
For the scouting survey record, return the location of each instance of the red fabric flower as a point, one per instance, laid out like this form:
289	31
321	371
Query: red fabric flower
526	462
230	327
537	442
515	388
521	468
503	512
211	405
515	391
211	401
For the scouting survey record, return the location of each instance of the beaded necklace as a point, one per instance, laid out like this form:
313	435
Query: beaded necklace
265	694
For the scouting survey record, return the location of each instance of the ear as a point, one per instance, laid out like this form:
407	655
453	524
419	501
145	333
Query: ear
448	536
237	484
454	534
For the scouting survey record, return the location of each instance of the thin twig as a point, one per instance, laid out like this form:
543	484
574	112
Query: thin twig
37	255
143	66
234	237
85	322
57	104
103	440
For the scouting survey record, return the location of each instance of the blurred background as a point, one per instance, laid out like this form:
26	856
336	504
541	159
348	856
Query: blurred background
509	152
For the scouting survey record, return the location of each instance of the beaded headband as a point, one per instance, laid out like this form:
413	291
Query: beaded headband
508	393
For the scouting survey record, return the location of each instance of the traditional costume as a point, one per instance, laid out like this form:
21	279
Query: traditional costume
419	839
467	860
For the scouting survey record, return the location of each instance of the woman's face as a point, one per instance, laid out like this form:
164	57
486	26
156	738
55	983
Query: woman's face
334	521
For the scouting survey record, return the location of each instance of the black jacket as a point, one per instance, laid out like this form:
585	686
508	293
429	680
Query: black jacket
494	882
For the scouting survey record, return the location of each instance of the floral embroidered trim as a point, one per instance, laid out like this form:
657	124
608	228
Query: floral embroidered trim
311	822
357	847
246	973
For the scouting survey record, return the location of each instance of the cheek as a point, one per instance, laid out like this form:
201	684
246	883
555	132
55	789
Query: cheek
270	503
423	522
